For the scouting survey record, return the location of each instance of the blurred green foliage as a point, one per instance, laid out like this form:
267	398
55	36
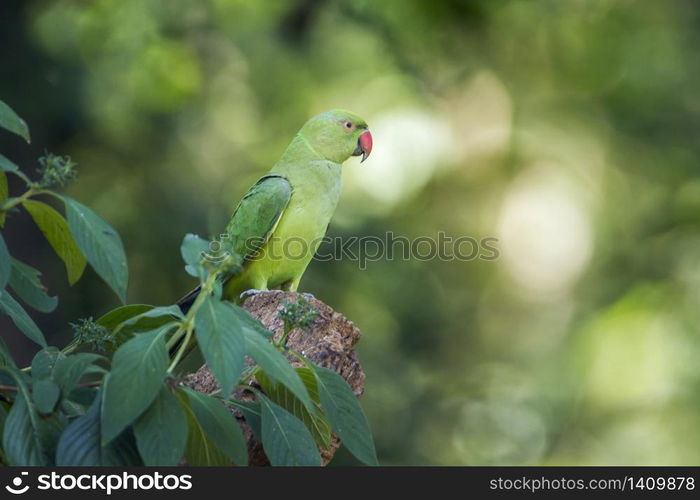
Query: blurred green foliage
568	130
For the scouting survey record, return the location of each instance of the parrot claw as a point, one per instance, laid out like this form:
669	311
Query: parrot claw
308	295
249	293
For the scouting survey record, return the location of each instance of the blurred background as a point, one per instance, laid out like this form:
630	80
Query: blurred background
567	130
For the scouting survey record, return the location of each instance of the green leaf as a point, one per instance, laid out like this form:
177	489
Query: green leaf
83	396
200	449
122	451
161	432
4	193
10	121
285	439
221	342
139	317
193	249
68	370
6	165
138	369
20	318
27	439
25	281
57	233
121	314
100	244
219	425
20	440
345	415
5	356
5	264
80	443
44	362
23	436
94	369
275	365
172	312
45	394
314	420
252	324
72	409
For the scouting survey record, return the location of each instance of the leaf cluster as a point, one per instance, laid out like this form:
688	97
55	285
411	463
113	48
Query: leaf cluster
79	406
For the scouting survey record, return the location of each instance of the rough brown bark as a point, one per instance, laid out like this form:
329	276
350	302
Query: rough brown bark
329	343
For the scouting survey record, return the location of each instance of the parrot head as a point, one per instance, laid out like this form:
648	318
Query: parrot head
337	135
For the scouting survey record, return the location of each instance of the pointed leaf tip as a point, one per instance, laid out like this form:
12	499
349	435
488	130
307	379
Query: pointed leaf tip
100	244
9	120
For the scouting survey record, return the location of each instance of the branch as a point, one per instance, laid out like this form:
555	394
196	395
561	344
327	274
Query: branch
329	343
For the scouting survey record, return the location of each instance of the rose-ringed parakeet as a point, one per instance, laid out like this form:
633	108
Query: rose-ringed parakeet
280	222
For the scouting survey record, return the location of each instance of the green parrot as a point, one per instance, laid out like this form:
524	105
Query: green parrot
280	222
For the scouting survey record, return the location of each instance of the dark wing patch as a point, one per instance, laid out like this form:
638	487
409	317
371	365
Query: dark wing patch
257	215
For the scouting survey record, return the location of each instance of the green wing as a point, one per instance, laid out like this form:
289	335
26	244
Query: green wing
257	215
252	223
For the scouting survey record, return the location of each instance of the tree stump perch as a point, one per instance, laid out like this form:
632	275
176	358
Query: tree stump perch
328	342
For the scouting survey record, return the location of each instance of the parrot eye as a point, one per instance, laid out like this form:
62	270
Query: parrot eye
348	125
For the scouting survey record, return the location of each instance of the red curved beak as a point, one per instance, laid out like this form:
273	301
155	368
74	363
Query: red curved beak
364	145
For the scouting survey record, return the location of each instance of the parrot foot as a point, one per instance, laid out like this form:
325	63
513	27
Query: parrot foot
249	293
308	295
